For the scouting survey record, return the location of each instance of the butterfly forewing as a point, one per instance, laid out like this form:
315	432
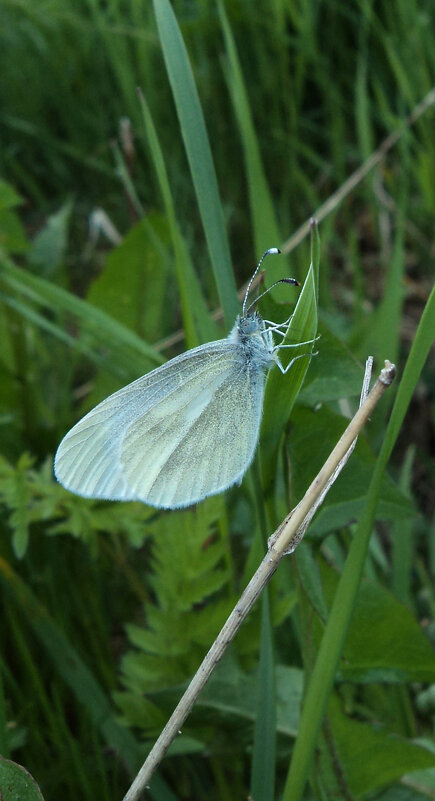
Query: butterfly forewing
142	442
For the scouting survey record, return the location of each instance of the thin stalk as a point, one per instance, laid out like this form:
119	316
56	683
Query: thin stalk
359	174
283	541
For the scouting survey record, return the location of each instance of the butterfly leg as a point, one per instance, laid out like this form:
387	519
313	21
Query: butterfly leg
296	344
276	326
284	370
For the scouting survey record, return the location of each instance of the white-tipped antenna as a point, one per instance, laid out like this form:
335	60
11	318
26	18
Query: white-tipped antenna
280	281
270	252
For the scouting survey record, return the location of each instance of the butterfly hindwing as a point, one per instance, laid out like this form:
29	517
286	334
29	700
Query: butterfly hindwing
180	453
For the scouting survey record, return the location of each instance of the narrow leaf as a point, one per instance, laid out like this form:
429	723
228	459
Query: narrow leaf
334	637
197	322
263	219
199	155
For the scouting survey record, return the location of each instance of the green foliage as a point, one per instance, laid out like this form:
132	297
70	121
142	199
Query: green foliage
385	643
50	245
192	127
16	783
186	569
32	497
109	608
315	434
196	320
12	234
263	216
371	758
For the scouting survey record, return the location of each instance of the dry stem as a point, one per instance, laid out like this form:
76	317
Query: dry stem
284	540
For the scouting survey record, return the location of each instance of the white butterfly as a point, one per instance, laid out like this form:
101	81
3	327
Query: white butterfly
182	432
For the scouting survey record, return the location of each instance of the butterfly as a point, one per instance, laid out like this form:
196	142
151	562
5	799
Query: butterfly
184	431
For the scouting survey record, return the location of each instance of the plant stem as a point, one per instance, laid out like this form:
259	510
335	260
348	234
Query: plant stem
283	541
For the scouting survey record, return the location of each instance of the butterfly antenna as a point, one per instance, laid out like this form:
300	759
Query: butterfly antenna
270	252
280	281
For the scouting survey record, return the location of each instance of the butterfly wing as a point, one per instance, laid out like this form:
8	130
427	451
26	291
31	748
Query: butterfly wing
184	431
184	451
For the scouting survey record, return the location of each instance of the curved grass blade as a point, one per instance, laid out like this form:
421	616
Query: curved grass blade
197	323
199	155
77	676
97	328
263	219
27	312
70	667
281	391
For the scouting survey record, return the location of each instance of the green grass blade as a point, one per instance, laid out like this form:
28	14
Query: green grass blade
315	253
264	750
197	323
383	336
335	633
70	666
27	312
199	155
98	326
282	390
403	540
4	734
263	219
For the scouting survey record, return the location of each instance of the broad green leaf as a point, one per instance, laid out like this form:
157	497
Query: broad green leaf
310	442
142	713
8	196
399	792
372	758
309	575
334	372
424	780
132	287
13	237
385	643
231	691
48	248
136	289
16	784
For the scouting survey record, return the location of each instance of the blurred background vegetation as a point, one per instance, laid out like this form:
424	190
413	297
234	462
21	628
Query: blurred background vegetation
112	258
